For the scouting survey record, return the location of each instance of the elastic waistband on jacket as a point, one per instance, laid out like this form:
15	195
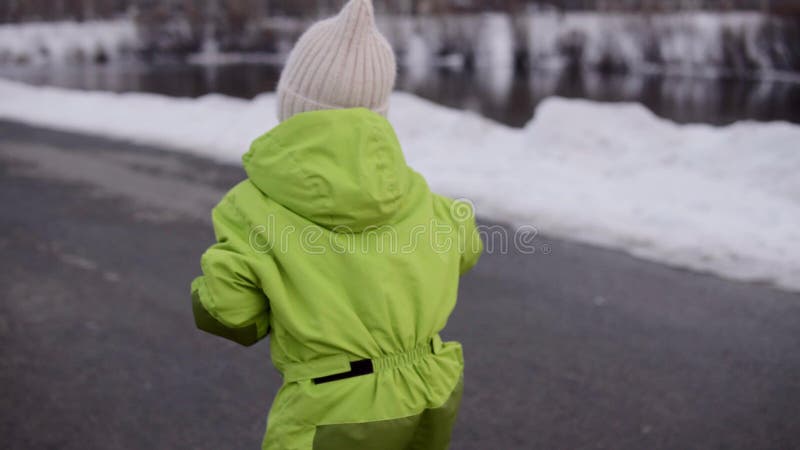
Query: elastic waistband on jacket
339	366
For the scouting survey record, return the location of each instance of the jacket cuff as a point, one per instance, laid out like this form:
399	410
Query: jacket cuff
246	335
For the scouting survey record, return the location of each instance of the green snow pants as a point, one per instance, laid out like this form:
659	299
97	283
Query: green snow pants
408	402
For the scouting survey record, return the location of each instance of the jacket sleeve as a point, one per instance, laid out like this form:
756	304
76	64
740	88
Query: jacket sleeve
227	300
469	237
462	214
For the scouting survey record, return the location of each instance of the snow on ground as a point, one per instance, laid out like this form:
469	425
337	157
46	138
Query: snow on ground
39	42
725	200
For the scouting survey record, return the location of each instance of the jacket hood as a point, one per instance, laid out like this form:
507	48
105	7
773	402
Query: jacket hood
341	169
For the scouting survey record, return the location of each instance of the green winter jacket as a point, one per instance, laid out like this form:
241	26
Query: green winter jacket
340	252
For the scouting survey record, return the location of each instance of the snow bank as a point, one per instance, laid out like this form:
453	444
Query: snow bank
39	42
725	200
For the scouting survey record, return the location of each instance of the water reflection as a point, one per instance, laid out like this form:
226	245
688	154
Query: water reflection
498	94
496	85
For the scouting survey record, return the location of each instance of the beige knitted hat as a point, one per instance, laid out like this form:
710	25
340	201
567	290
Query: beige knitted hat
341	62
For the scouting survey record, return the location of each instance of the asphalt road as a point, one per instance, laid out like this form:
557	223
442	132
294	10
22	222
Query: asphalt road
576	348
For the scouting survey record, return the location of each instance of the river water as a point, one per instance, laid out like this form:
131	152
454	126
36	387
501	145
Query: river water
510	98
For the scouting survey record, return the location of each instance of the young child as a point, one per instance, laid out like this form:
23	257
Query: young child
340	251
